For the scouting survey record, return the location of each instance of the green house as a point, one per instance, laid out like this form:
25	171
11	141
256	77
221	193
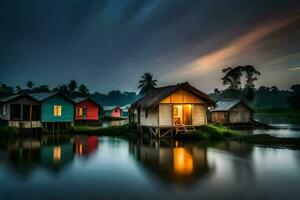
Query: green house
55	108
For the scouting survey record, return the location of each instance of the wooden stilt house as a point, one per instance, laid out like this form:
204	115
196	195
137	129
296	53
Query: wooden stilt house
231	111
57	111
86	109
21	111
176	108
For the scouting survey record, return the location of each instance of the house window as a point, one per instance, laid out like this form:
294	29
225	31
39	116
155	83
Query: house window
79	112
57	110
146	113
116	110
83	112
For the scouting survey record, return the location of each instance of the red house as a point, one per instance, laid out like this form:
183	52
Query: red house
86	109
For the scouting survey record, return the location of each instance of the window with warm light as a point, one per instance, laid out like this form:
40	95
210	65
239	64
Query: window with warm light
79	112
57	110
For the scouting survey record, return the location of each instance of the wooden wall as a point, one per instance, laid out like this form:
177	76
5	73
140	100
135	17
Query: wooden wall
181	96
165	114
67	112
92	110
199	115
219	117
240	114
151	119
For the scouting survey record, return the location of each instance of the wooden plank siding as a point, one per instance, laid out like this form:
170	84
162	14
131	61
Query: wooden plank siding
165	114
199	114
149	117
47	110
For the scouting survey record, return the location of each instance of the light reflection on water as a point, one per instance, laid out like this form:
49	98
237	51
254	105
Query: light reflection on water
87	167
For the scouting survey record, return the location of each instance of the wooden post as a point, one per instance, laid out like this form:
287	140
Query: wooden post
21	117
52	127
30	112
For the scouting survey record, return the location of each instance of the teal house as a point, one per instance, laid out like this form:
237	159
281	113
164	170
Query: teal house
57	110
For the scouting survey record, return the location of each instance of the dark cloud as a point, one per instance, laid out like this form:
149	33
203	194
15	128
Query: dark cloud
109	44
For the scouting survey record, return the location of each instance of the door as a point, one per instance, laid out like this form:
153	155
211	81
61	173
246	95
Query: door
182	114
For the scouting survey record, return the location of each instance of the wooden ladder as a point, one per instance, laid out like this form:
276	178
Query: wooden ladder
185	128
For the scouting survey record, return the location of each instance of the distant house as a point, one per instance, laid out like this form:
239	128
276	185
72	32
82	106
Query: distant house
171	107
125	110
20	110
231	111
57	110
112	111
86	109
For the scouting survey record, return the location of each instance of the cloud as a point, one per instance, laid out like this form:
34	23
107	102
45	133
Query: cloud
231	50
294	68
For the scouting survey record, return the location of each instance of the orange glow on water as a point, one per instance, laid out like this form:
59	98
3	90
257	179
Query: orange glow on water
57	153
183	161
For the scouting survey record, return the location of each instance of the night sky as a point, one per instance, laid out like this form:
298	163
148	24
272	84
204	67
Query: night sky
110	44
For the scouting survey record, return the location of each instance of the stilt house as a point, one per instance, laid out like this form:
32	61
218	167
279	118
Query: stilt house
176	107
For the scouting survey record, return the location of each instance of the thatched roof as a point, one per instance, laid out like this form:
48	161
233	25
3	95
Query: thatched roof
153	97
228	104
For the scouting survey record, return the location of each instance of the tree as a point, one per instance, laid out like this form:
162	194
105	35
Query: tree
146	83
29	84
62	88
83	90
72	85
233	76
6	90
18	89
294	99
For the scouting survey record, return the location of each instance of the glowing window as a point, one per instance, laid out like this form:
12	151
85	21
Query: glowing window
57	110
79	112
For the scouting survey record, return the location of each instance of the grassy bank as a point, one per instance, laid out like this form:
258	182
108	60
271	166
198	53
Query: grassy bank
210	132
123	131
9	130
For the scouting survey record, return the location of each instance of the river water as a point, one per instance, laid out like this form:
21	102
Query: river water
92	167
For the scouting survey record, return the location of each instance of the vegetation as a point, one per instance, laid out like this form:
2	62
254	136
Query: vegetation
114	97
233	78
146	83
294	99
5	130
122	131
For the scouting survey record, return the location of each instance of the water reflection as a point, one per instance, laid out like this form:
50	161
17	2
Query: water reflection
170	160
81	167
52	152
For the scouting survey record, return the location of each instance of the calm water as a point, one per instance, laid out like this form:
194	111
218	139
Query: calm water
283	126
91	167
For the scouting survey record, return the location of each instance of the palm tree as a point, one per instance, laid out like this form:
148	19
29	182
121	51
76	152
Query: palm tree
146	83
29	84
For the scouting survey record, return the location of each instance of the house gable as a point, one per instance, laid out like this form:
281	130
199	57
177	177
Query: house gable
182	96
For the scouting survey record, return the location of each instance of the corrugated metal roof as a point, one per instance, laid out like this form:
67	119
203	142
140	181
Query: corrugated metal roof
42	95
109	108
226	104
79	99
6	99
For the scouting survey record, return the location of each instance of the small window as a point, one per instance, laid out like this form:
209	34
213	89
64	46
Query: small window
79	112
57	110
83	112
116	110
146	113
